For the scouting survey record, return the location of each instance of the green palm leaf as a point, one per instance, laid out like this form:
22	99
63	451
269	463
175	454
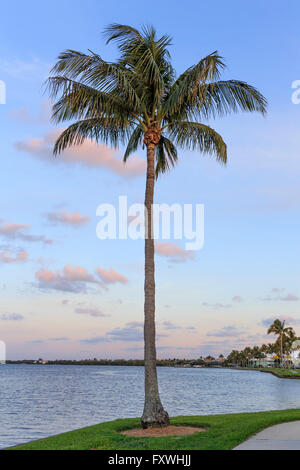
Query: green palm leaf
98	129
166	156
135	140
195	136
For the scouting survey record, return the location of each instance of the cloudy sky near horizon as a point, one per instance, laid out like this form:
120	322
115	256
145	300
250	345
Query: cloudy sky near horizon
65	293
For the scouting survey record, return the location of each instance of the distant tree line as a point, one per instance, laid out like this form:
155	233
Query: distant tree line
281	348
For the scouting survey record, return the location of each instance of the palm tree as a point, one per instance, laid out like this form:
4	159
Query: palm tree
278	328
137	100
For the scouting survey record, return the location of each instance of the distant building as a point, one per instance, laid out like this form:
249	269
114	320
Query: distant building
41	361
272	360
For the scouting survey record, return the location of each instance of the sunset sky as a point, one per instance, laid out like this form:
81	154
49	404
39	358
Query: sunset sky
65	293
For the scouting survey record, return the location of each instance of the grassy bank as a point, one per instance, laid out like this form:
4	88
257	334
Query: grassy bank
284	373
281	373
223	433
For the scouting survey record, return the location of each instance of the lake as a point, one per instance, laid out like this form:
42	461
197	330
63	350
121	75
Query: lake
38	401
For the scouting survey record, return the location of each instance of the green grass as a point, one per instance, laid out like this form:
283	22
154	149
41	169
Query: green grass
223	433
281	373
284	372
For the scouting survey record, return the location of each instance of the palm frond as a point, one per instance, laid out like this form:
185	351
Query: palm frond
135	140
95	72
81	101
166	156
224	97
195	136
187	86
148	57
118	102
122	34
99	130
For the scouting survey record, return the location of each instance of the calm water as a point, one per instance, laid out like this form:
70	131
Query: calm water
38	401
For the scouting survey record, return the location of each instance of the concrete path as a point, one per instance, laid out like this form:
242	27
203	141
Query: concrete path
285	436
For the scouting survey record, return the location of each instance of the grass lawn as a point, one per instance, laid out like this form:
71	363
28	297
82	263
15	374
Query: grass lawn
281	373
284	372
223	432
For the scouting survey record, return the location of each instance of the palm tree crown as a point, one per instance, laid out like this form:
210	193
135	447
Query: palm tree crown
285	335
137	99
278	328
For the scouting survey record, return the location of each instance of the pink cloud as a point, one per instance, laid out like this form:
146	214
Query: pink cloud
20	231
173	251
89	153
90	311
12	229
20	257
77	273
280	297
47	276
290	298
237	298
111	276
71	279
67	218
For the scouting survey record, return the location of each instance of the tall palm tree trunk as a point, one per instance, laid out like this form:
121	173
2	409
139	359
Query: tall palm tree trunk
281	349
154	413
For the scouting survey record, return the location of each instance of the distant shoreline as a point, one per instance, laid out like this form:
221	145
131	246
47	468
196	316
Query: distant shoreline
139	363
176	363
184	363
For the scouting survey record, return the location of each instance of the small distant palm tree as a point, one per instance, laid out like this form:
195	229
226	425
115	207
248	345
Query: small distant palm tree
278	328
137	100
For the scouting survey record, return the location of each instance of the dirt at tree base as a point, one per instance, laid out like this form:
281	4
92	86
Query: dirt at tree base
163	431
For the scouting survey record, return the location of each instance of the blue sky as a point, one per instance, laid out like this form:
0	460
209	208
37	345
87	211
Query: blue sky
248	270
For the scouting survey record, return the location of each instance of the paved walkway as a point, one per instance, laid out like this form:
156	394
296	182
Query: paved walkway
285	436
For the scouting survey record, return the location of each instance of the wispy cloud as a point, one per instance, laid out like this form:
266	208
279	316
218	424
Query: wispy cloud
96	340
277	294
8	257
71	279
266	322
111	276
135	324
173	252
59	339
74	220
237	299
230	331
168	325
89	154
42	341
90	311
132	332
216	305
11	317
290	298
16	231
